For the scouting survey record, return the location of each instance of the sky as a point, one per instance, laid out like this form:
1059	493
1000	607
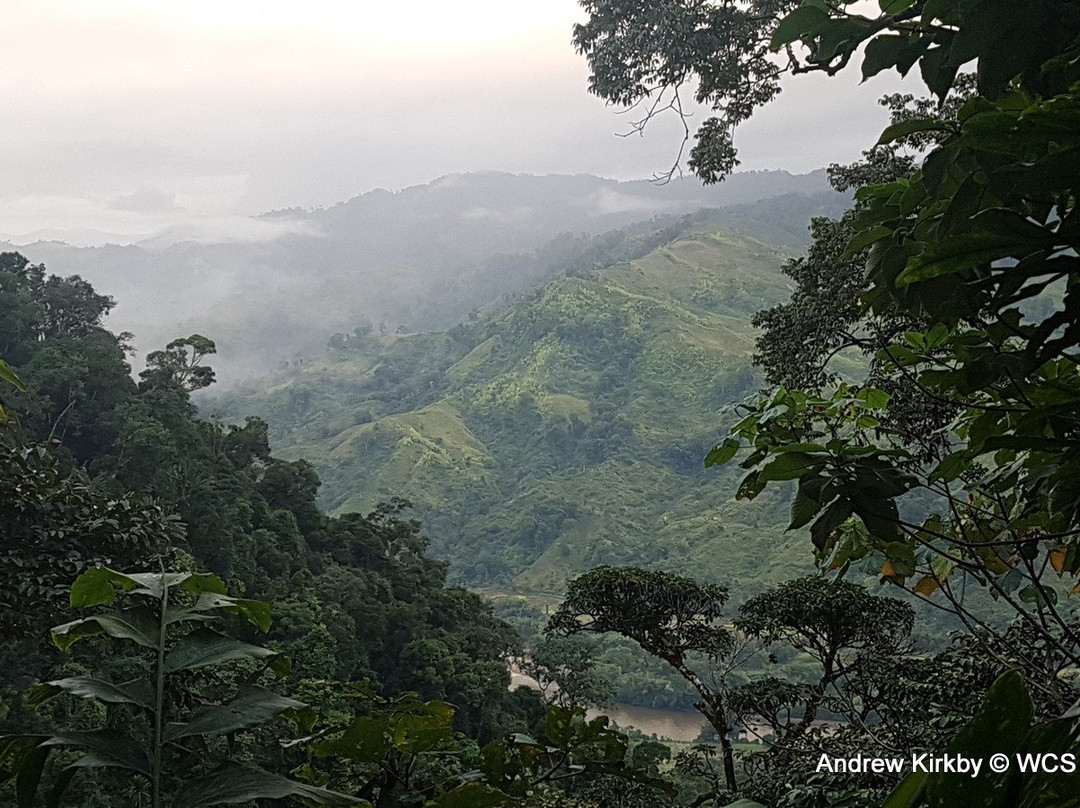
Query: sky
130	119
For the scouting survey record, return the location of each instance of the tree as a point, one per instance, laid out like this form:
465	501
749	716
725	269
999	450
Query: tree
970	259
646	53
51	332
830	621
977	251
861	670
178	364
568	673
669	616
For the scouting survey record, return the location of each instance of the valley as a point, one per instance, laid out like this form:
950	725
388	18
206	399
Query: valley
561	431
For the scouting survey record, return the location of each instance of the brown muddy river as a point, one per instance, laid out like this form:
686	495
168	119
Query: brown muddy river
674	725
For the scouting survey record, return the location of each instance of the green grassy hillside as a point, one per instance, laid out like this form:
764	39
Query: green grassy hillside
563	431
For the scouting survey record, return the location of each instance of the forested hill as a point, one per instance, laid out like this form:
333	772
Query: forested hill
561	432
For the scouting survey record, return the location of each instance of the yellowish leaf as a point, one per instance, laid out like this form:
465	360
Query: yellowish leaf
927	586
1057	560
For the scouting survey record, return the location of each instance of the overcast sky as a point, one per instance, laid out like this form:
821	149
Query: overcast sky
124	118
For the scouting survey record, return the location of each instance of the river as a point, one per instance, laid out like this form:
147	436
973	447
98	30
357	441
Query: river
682	726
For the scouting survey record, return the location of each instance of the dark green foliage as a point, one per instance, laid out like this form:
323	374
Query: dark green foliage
51	331
403	752
177	619
669	616
644	53
176	366
1004	725
55	526
569	672
358	596
825	618
972	259
956	463
8	375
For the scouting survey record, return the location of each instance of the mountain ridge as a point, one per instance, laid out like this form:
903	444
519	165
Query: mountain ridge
561	431
420	258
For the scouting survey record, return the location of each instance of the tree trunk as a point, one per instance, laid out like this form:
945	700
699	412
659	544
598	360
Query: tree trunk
712	707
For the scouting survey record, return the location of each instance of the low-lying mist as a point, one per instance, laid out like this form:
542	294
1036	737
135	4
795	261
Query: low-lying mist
274	288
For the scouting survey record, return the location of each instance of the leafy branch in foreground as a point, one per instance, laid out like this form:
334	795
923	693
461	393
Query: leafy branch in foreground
176	617
394	748
1004	725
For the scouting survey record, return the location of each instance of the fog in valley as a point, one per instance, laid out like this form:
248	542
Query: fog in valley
416	260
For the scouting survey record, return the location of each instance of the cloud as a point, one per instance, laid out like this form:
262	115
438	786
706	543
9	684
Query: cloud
231	230
519	213
145	201
607	201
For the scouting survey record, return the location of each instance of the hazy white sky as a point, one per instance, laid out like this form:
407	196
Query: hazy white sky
123	118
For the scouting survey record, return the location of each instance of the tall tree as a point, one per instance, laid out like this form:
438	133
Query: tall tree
670	617
973	255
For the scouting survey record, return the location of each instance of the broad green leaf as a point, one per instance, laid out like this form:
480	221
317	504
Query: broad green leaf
233	784
829	521
204	647
97	587
250	708
203	582
364	740
256	611
559	724
803	509
873	398
911	127
951	467
153	583
113	748
1014	226
864	238
937	71
750	487
805	21
31	766
60	783
910	793
9	375
895	6
471	795
722	453
137	625
137	692
1000	726
788	466
956	254
891	50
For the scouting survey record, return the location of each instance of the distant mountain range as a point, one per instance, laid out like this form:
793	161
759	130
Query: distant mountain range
563	430
419	259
